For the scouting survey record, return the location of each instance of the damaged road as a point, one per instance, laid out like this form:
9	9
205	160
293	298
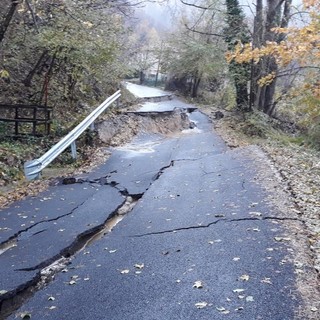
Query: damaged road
195	235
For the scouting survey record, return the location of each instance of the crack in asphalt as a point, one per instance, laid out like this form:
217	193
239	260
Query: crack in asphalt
76	245
161	171
215	222
17	235
84	239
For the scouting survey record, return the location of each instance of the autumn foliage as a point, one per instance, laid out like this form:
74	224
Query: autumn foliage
299	53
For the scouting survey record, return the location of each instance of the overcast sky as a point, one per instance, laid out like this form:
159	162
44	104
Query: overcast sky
160	15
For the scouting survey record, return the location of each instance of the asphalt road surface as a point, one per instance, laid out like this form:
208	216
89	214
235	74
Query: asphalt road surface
199	237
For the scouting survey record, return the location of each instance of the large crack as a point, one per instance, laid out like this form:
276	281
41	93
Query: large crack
17	234
215	222
12	300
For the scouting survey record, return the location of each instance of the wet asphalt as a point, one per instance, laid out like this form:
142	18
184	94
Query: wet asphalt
202	241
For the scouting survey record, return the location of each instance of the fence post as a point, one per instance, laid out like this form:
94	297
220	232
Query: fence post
16	124
34	123
73	150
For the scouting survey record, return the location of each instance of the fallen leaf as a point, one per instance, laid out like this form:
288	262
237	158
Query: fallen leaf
51	298
314	309
254	213
244	277
282	239
238	290
25	315
236	259
198	285
3	292
125	271
139	266
239	309
222	310
72	282
52	307
249	299
266	280
112	251
201	305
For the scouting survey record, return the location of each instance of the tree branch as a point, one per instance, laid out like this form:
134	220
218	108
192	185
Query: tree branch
33	15
4	26
204	33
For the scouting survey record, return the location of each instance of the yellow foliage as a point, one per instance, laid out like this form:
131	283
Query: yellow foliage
4	74
267	80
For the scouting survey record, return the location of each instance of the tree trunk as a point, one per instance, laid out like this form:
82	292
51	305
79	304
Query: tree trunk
142	77
195	86
9	15
262	98
258	34
236	31
27	81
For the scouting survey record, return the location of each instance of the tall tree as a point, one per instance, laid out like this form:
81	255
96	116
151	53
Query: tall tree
196	47
237	32
69	52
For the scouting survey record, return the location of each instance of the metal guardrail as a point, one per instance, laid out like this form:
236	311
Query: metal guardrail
33	168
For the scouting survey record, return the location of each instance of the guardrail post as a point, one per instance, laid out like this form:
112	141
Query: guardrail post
33	168
73	150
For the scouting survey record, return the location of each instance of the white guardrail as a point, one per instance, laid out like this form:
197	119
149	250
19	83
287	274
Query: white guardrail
33	168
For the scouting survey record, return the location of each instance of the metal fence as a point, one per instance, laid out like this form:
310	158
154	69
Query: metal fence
31	115
33	168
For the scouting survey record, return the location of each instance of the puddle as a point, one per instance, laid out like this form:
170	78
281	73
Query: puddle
8	245
136	149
